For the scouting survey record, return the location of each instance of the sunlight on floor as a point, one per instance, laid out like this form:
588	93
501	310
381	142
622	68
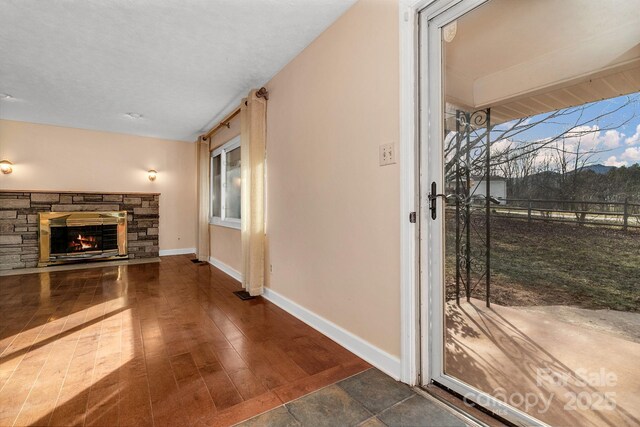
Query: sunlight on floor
543	365
78	352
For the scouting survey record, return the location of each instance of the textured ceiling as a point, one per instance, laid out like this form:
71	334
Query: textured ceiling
182	64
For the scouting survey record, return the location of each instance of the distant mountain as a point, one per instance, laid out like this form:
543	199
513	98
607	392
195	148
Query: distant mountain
599	169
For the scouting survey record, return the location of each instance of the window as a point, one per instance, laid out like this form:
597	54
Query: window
225	184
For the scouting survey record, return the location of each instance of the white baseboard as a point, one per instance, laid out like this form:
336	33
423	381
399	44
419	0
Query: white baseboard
379	358
183	251
225	268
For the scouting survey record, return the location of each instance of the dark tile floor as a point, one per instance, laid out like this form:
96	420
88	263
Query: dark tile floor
369	399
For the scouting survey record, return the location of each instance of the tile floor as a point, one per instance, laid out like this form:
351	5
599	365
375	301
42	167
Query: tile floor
369	399
153	344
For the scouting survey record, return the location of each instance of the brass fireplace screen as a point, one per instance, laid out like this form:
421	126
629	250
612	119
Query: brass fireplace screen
77	236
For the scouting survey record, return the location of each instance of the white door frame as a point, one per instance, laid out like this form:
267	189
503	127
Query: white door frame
408	156
421	104
411	315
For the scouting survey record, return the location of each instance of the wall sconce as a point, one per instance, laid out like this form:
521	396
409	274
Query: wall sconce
6	166
152	175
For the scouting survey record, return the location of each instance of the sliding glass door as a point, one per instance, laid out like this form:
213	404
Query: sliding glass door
530	181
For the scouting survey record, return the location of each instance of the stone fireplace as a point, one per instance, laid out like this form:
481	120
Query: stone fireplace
76	236
20	215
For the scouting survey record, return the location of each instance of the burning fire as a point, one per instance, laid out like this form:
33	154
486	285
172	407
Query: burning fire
81	243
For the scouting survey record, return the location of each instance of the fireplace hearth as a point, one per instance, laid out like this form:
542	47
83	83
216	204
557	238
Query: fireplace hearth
79	236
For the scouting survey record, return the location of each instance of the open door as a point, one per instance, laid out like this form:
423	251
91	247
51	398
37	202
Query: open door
530	207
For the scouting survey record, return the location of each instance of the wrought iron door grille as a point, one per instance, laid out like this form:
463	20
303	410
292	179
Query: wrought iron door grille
471	161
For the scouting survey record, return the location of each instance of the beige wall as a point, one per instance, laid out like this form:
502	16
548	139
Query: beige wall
225	244
333	223
225	134
67	159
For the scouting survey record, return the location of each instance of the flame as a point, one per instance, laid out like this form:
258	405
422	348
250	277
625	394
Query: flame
81	242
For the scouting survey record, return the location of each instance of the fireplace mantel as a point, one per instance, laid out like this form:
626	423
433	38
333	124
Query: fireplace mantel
66	237
19	211
124	193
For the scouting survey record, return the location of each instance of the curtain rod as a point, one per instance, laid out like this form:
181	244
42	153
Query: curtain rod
224	122
261	93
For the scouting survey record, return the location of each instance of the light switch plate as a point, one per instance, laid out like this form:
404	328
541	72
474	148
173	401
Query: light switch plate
387	154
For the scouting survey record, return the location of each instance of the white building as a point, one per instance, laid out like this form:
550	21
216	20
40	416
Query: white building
498	189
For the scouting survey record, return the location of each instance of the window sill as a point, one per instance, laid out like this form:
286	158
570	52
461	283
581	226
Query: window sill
225	223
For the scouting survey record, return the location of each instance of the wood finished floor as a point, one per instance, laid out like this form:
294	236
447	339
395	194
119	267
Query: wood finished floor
152	344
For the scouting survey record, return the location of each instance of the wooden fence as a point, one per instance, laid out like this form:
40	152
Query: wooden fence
622	214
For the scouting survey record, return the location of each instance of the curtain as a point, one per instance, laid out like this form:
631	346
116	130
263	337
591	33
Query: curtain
253	139
202	155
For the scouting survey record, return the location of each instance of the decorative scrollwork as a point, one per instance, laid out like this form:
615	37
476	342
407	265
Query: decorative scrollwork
462	119
479	118
471	162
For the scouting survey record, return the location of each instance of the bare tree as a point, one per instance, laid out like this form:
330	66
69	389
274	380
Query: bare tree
555	160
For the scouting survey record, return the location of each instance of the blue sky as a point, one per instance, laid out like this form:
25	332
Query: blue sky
608	130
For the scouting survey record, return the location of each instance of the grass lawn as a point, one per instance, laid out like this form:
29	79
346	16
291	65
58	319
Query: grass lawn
542	263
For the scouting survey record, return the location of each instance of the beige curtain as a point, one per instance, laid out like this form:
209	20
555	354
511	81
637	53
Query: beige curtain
253	139
202	249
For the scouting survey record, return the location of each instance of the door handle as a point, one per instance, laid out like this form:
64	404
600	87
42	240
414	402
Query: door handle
433	200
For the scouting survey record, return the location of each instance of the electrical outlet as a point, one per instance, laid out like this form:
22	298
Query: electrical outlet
271	268
387	154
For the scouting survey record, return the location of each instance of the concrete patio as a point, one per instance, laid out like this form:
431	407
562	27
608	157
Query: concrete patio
561	373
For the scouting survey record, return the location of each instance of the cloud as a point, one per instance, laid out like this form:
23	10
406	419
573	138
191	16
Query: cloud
580	144
613	161
635	138
591	137
502	146
526	122
513	124
587	137
632	154
612	138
